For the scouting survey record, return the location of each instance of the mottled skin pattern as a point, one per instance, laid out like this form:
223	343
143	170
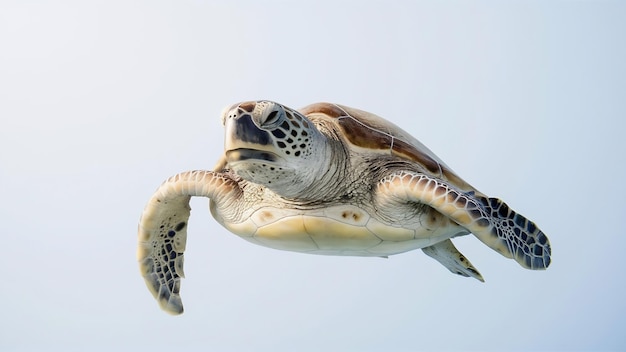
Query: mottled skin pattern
490	219
328	179
163	230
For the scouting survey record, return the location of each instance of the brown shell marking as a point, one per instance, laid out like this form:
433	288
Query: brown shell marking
361	133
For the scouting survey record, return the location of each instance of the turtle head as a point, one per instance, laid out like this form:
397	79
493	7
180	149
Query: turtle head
269	144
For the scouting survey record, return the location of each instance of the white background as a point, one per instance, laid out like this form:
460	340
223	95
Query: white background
102	100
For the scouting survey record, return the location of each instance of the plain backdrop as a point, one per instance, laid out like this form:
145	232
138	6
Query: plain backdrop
100	101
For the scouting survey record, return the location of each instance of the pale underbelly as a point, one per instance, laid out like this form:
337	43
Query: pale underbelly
342	230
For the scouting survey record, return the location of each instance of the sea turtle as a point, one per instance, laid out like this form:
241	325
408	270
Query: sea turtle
328	179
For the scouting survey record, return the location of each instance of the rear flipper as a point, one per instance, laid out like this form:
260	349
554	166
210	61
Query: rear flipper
450	257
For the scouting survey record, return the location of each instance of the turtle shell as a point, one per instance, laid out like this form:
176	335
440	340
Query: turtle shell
366	130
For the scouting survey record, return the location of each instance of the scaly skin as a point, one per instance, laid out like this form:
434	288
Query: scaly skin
163	230
489	219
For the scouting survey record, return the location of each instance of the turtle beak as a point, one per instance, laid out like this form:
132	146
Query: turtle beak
243	133
243	154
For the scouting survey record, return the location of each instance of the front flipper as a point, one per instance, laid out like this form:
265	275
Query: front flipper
163	231
489	219
446	253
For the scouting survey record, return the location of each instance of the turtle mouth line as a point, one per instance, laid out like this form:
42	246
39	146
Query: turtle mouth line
242	154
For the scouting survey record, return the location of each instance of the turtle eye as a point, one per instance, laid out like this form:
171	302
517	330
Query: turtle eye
272	118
